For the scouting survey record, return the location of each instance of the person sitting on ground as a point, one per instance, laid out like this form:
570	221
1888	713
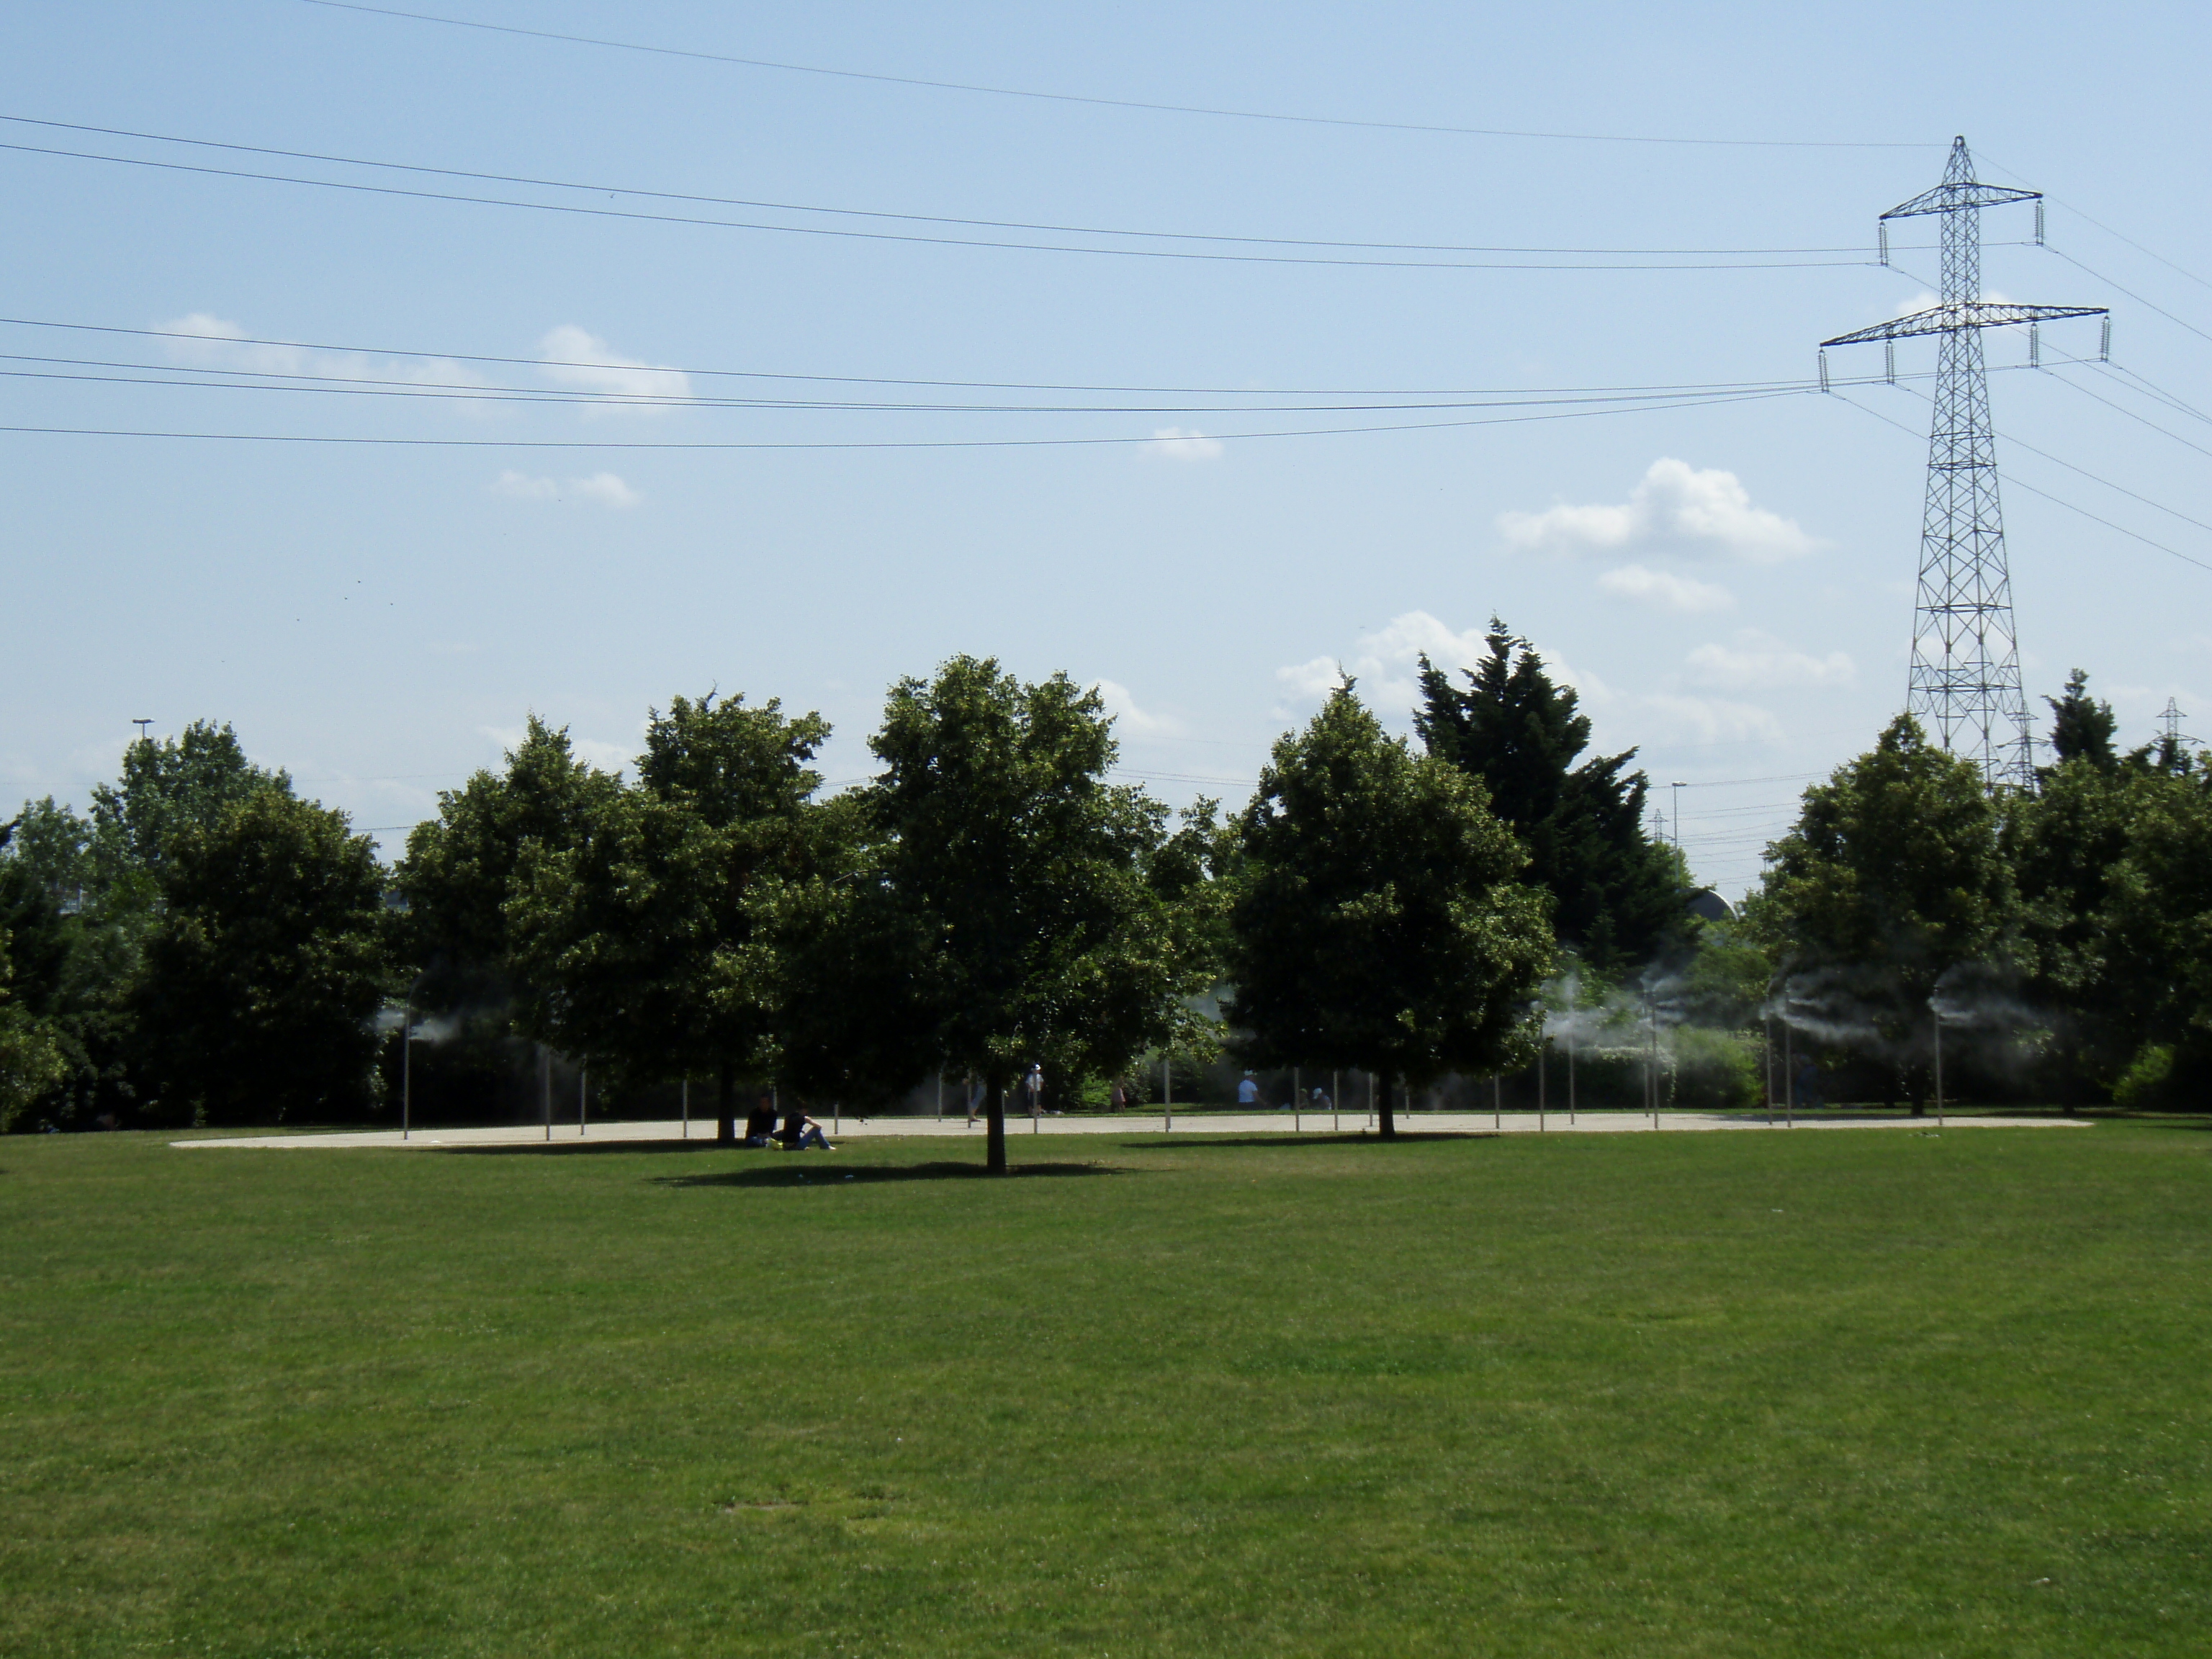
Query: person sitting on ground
799	1132
760	1123
1248	1090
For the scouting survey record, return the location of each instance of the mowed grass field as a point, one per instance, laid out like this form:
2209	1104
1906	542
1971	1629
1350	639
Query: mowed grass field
1848	1393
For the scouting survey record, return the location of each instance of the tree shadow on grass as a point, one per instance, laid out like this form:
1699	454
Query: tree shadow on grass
559	1148
833	1174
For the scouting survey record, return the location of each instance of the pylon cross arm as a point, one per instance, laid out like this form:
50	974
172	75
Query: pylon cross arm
1962	314
1948	198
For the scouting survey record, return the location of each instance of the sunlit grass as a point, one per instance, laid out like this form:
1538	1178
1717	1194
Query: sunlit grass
1839	1392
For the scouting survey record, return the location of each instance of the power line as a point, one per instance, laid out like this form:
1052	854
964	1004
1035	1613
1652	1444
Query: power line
2117	236
1105	103
2131	293
2022	443
357	385
2055	501
2156	392
638	216
205	339
841	444
2139	419
602	189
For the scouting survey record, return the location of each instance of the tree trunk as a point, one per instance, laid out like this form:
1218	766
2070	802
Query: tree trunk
1389	1117
994	1120
726	1104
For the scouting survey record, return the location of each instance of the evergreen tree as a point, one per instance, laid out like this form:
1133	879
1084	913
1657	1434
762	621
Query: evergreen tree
2081	726
1381	922
1617	897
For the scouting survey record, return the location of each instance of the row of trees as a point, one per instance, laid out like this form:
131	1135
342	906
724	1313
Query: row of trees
204	936
2062	934
206	946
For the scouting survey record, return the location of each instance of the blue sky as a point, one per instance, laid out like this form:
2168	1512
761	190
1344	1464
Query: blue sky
1729	583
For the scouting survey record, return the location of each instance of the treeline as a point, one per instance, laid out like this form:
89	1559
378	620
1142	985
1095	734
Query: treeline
206	947
2056	943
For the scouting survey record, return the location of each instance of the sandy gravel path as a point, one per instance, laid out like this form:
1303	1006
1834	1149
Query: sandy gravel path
1240	1123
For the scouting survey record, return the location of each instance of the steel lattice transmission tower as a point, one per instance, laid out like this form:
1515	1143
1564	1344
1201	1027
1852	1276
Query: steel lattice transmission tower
1965	662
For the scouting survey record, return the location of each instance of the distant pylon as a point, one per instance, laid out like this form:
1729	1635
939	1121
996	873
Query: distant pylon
1966	658
2172	736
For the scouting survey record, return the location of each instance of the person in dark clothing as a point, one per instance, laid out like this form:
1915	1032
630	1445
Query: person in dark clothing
761	1124
799	1132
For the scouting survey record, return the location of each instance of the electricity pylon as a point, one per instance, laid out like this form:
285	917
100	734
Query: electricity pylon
1965	659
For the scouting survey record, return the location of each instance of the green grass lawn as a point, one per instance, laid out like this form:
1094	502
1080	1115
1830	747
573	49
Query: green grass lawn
1831	1393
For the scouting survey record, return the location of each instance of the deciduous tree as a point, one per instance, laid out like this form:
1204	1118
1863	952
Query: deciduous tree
1052	916
1893	876
1380	922
264	969
648	938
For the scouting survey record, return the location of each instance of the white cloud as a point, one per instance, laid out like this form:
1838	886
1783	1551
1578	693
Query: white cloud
1178	445
1385	663
605	489
1675	507
216	343
520	487
607	757
1759	660
1131	720
1714	720
580	362
1664	591
602	488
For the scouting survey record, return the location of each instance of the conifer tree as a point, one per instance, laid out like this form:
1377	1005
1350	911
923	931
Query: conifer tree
1617	897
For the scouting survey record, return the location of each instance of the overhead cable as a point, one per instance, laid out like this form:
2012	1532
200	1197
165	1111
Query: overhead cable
602	189
2131	293
2055	501
344	386
2022	443
909	238
1108	103
601	365
830	444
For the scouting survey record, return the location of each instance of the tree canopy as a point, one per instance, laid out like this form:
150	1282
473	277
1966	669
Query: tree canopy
1617	897
266	967
2082	726
647	933
459	869
1380	922
1893	877
1047	909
